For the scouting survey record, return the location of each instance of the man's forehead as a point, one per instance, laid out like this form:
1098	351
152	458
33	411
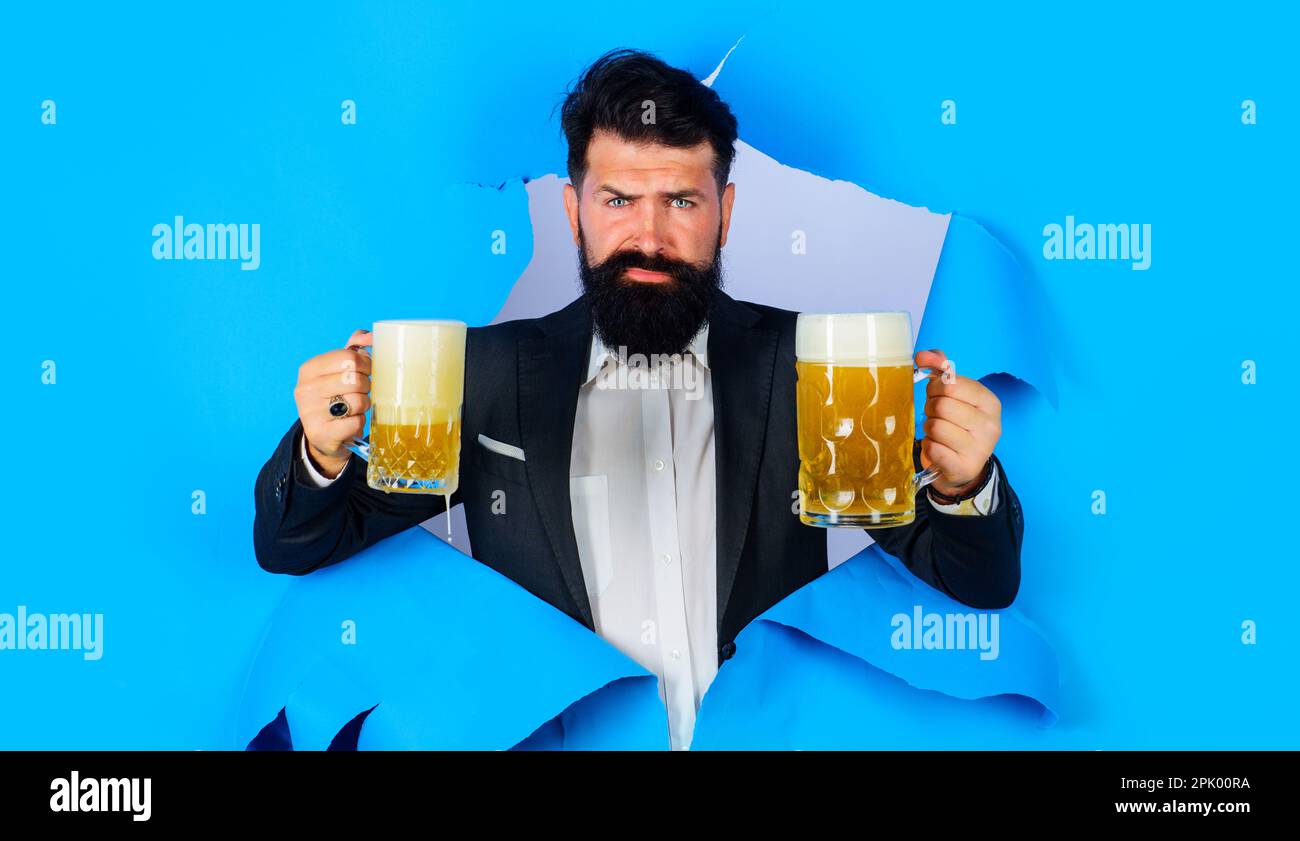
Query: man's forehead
610	156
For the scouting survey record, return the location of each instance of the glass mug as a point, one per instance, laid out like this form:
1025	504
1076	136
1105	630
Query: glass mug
417	386
856	420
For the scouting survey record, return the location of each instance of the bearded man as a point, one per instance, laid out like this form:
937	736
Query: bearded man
654	509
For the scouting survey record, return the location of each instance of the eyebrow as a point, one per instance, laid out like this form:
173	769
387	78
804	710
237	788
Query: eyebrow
688	193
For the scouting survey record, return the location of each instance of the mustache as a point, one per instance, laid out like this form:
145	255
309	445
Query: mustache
620	261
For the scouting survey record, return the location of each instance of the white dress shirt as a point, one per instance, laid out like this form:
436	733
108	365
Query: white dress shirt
641	486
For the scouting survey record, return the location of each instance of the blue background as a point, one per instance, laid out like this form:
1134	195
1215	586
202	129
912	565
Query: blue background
178	375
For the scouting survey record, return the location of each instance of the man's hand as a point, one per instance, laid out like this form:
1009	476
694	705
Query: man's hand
963	421
344	372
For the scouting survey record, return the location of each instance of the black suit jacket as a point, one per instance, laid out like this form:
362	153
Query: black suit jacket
521	387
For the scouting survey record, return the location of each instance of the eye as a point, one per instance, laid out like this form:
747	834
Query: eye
684	203
610	203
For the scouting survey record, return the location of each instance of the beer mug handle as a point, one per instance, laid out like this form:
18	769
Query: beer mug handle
924	478
357	444
360	446
929	474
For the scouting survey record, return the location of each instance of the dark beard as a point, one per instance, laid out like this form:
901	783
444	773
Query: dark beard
648	318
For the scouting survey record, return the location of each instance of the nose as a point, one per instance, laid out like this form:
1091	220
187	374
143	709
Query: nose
649	237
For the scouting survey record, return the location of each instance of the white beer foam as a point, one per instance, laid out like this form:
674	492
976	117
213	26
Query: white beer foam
874	337
418	374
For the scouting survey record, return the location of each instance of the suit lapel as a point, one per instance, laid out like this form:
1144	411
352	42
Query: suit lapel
742	359
551	366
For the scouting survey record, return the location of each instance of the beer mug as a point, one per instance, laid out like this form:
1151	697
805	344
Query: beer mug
856	420
417	385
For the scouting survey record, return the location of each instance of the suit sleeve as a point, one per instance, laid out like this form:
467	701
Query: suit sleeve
975	560
299	528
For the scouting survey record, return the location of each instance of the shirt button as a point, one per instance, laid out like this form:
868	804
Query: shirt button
668	559
676	654
659	464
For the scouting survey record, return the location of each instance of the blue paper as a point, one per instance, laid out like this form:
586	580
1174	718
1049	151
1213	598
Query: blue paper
819	670
451	654
454	654
987	313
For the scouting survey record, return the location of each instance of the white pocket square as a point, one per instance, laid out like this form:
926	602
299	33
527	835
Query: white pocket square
497	447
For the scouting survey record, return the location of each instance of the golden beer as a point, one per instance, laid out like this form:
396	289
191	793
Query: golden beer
856	420
417	387
415	457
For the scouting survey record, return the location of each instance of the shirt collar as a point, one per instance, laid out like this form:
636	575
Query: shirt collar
699	347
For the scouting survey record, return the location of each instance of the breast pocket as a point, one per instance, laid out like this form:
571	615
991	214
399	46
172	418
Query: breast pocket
500	465
589	496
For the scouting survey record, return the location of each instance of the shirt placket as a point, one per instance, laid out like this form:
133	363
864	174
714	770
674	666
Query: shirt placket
670	589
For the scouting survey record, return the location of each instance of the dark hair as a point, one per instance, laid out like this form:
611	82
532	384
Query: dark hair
610	95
